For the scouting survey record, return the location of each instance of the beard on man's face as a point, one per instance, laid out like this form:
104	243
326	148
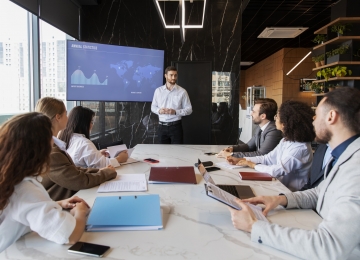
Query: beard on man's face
323	137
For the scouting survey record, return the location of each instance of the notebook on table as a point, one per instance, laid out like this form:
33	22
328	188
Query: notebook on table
183	174
139	212
255	176
239	191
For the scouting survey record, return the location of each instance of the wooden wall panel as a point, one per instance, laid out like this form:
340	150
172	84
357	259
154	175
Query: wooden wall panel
271	73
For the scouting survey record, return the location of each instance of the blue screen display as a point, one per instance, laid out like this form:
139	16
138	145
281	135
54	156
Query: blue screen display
100	72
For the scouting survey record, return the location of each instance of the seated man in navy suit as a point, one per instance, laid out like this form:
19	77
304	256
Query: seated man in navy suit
322	156
266	136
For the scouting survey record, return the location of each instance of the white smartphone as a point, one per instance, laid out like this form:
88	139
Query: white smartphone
88	249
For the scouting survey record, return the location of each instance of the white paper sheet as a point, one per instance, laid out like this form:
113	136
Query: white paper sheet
125	182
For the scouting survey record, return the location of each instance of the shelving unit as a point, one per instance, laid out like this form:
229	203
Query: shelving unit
337	78
323	30
339	39
318	94
337	63
328	45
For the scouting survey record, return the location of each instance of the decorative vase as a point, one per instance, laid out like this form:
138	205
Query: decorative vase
322	62
317	64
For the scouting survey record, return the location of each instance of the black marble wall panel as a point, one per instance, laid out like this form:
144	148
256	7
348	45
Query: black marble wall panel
136	23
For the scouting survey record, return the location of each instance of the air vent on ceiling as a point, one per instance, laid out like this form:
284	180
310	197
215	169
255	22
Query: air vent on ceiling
282	32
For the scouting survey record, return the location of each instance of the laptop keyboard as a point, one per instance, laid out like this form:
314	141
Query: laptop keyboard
230	189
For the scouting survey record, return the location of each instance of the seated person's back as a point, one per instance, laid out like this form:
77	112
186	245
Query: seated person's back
64	179
25	205
78	145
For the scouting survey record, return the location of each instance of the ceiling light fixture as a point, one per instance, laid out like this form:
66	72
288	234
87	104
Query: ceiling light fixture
298	63
246	63
282	32
181	25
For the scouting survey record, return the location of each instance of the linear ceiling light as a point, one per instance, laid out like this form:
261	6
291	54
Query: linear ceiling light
298	63
189	26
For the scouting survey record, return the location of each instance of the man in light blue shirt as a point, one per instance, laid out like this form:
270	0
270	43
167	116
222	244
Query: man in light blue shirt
171	102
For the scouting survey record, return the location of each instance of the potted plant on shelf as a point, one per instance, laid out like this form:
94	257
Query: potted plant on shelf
319	39
331	87
325	73
316	87
338	54
316	61
319	60
322	59
340	71
340	28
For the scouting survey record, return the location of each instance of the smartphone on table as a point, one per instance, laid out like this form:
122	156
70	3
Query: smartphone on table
211	169
88	249
150	160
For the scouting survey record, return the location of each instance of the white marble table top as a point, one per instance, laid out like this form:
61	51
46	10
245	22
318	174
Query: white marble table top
195	226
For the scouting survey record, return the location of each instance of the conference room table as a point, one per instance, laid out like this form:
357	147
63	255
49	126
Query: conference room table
195	226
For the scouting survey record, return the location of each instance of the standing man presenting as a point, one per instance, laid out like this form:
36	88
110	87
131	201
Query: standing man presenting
171	102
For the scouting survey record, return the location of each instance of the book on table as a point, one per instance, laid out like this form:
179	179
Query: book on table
135	212
181	174
255	176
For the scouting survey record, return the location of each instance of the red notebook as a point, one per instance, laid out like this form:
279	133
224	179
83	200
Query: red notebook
184	174
255	176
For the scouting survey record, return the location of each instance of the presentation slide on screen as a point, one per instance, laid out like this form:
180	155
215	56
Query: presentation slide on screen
100	72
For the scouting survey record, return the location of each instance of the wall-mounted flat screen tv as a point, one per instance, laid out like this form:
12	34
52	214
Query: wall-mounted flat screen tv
101	72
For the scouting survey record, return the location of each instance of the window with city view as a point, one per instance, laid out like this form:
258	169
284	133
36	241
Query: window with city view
14	60
53	61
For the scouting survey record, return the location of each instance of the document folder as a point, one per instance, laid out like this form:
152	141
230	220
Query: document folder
184	174
255	176
111	213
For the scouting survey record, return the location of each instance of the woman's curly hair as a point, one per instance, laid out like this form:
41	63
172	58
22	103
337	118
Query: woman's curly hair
297	118
25	151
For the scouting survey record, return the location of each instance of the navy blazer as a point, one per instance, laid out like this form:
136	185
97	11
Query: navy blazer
317	172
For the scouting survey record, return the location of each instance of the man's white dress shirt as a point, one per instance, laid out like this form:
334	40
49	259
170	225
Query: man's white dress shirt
289	162
177	99
31	209
84	153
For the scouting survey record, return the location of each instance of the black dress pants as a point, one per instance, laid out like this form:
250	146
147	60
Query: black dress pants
172	134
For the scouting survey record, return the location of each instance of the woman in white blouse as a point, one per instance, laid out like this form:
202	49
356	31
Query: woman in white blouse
78	145
25	205
291	160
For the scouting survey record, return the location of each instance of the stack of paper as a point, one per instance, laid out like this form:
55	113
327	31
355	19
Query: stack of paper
125	182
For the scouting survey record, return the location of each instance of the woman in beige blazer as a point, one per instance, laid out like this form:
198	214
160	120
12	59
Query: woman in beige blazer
64	178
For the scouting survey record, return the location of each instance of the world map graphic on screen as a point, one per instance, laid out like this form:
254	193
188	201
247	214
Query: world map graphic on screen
99	72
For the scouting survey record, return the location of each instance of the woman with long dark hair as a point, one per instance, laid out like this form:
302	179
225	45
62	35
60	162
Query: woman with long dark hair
25	205
64	178
291	160
76	135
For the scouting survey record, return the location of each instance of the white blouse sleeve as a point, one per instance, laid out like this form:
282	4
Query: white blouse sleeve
88	155
290	160
44	216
